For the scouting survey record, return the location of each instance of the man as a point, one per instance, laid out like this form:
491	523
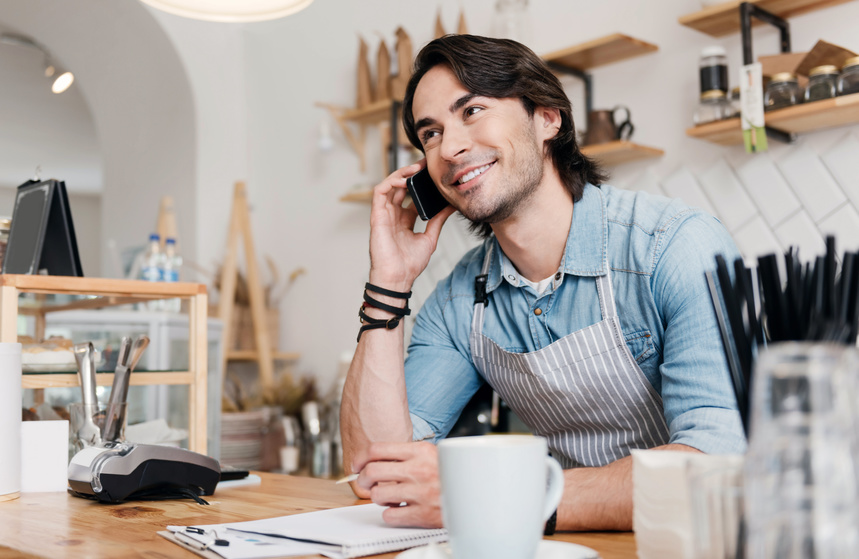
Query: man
585	308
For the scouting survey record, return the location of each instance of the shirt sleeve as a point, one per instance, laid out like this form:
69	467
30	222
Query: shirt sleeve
699	402
440	377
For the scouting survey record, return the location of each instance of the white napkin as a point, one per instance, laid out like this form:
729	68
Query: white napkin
662	511
155	432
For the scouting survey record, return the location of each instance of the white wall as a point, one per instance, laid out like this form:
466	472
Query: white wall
137	90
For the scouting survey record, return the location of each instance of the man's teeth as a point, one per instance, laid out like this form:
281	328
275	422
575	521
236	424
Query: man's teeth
470	175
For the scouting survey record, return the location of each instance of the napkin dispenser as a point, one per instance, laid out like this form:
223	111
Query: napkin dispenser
113	472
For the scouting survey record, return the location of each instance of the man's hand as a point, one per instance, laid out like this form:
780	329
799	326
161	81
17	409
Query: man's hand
397	254
395	473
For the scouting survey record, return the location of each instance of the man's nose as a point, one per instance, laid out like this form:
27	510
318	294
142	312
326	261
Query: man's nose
454	142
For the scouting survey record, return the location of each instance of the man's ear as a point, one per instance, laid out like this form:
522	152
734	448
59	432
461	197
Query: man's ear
548	121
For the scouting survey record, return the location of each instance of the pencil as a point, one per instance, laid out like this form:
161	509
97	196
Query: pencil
347	479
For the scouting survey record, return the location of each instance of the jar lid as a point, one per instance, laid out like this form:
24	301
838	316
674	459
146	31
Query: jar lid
851	62
825	69
714	50
783	77
713	94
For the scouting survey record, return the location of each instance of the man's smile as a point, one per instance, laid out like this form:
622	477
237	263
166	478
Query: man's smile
464	177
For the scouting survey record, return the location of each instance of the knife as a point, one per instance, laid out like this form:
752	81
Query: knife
112	431
89	431
119	394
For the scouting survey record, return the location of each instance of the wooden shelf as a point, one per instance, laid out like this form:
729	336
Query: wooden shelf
621	151
70	380
806	117
360	196
252	355
374	113
724	132
605	50
724	19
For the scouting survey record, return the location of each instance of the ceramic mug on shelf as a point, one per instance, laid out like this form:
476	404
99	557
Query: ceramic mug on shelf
497	493
603	127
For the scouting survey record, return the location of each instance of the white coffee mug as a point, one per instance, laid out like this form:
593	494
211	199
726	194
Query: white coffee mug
497	492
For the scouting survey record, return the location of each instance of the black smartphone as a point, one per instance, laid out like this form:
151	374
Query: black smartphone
425	195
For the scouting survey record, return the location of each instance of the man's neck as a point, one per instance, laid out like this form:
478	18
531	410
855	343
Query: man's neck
535	236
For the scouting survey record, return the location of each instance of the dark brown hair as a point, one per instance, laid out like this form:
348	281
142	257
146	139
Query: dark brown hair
502	68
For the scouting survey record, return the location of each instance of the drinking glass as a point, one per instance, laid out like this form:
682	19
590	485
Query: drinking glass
716	501
800	477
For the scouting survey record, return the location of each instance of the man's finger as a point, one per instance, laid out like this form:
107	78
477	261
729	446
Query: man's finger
416	516
380	472
410	493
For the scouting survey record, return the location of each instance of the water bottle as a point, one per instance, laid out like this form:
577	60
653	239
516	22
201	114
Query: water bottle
151	269
171	262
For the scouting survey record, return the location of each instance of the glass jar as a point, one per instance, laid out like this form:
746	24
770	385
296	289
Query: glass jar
714	106
713	70
848	81
736	103
782	91
822	83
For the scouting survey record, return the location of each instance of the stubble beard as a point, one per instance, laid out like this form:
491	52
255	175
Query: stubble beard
522	181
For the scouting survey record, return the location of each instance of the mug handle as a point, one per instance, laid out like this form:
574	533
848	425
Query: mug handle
625	126
554	487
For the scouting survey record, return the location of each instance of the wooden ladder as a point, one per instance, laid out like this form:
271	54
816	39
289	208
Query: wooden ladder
240	225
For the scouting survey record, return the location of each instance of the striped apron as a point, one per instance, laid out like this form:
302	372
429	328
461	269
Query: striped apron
585	393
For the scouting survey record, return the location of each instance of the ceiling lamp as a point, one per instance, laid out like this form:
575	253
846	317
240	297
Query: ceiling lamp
60	79
230	11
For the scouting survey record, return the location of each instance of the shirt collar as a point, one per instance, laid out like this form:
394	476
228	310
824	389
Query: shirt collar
585	253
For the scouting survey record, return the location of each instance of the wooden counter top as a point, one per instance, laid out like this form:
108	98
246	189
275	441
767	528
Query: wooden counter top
57	525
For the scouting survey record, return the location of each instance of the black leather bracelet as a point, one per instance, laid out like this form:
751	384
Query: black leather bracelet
382	291
550	524
399	311
370	323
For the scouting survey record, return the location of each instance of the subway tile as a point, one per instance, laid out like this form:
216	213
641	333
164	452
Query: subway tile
811	181
801	232
765	185
756	239
842	160
844	225
682	184
648	182
732	203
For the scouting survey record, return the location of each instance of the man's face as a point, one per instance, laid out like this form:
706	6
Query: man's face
485	154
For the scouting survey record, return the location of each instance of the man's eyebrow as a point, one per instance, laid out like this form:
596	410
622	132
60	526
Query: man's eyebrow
455	106
461	102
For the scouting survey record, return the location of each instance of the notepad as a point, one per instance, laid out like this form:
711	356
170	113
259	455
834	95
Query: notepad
338	533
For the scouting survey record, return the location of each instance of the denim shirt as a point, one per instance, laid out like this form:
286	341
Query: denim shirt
658	250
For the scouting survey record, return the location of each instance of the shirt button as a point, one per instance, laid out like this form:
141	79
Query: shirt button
538	311
558	276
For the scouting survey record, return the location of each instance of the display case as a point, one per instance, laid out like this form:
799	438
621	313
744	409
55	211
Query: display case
40	296
167	351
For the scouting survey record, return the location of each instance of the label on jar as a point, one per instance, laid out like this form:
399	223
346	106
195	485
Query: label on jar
752	107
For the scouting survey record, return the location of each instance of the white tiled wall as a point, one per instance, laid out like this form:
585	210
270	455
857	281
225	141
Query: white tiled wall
790	196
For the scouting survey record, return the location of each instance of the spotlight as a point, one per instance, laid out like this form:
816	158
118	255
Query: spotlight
61	79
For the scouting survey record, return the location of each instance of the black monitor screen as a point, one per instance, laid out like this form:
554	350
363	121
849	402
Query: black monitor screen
26	236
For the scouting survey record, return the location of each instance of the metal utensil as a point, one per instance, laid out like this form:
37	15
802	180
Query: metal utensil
112	427
119	394
88	432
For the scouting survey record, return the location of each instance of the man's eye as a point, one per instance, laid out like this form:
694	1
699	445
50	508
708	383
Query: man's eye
470	111
428	135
